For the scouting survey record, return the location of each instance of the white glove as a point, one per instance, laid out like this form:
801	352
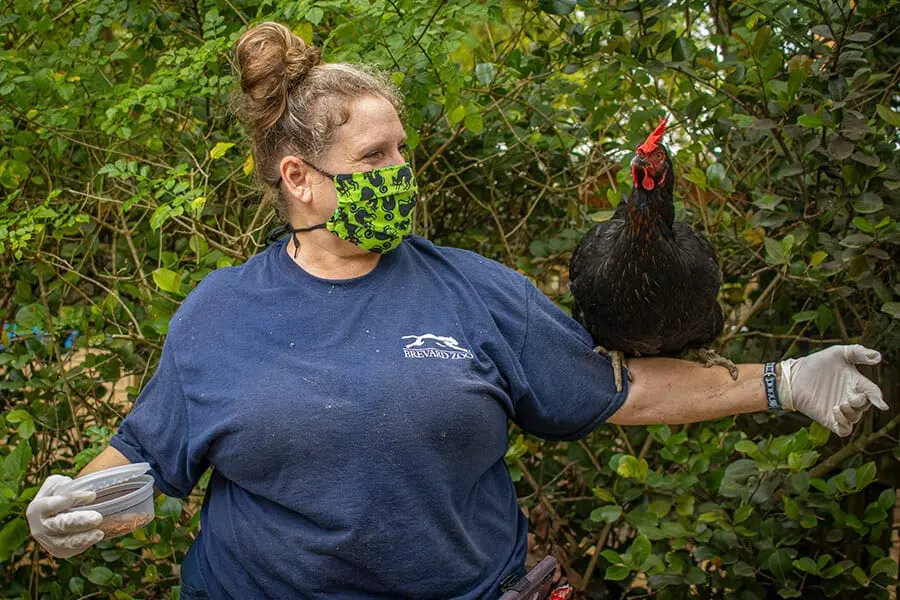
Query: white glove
63	535
827	388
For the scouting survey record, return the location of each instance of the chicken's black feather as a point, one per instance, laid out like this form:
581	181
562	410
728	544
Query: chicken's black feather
643	284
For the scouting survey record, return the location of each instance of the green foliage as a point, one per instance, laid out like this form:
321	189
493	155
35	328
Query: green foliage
124	181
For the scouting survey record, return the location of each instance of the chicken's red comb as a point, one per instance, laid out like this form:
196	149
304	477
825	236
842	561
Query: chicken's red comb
654	138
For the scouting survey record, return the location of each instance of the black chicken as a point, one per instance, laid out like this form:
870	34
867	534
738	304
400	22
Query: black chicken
643	284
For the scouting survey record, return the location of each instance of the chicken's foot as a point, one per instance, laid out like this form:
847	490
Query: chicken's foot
618	363
710	358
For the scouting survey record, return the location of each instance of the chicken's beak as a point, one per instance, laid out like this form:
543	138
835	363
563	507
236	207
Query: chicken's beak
638	161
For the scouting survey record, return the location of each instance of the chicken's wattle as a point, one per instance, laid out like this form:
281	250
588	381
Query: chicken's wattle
648	182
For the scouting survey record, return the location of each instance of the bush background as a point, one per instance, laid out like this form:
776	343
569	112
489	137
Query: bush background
124	180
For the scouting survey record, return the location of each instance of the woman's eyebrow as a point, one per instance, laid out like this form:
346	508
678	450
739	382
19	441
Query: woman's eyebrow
378	145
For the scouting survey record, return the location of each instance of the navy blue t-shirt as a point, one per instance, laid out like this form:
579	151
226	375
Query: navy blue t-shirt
357	428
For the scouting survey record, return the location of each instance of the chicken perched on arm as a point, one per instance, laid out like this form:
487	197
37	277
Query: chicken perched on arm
643	284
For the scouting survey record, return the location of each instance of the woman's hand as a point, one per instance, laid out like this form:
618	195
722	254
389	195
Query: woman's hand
827	388
68	534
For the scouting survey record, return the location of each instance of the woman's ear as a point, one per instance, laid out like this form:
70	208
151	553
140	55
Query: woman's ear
296	179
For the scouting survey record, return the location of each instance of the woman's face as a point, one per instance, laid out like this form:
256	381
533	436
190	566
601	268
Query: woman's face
373	137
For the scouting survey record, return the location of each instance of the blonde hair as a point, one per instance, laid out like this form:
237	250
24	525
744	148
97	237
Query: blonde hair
292	103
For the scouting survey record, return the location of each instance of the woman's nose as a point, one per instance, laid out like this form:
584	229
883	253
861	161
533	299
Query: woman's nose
397	158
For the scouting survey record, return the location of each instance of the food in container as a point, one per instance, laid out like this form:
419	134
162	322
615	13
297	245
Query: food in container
124	497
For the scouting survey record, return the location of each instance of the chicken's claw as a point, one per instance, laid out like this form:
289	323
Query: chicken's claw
710	358
618	363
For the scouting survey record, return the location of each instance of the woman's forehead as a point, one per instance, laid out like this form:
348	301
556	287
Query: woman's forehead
371	119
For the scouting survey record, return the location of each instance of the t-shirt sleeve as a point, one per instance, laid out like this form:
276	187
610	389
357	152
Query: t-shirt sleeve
158	431
564	390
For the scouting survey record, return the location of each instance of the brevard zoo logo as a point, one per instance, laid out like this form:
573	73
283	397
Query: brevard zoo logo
429	345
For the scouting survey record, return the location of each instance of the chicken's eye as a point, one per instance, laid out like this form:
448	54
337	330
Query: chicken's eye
658	154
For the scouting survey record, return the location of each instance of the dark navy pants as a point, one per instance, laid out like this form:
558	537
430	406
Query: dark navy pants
193	586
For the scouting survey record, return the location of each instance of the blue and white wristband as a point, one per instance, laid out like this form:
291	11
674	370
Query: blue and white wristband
771	384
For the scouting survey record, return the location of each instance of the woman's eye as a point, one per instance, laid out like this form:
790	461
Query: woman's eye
374	154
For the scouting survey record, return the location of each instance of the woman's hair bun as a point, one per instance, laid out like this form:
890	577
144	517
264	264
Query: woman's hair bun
271	61
299	59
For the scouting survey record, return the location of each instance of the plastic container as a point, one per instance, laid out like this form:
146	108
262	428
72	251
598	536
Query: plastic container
124	497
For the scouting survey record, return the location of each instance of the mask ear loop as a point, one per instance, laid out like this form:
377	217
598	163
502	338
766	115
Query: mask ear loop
293	231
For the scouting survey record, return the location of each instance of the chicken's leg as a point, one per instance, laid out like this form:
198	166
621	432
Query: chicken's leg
709	358
618	362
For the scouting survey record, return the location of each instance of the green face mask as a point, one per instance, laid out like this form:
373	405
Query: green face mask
374	208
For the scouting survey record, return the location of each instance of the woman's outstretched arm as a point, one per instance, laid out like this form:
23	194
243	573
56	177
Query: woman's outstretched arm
825	386
672	391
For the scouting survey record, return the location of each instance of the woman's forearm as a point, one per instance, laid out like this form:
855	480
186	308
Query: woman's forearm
672	391
108	457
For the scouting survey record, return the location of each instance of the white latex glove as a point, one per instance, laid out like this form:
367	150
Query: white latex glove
63	535
827	388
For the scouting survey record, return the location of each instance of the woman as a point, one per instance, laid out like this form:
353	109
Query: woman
352	383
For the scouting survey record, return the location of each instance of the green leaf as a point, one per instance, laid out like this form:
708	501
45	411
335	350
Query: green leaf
603	495
16	462
865	475
799	482
891	117
170	508
868	203
682	50
807	315
660	508
863	225
76	586
315	15
557	7
457	114
100	575
684	505
13	535
774	252
633	468
696	176
485	73
747	447
26	429
891	308
640	550
616	573
220	149
606	514
887	498
17	416
761	41
802	460
885	566
742	513
474	122
810	121
779	563
611	556
837	569
695	576
197	205
818	434
167	280
742	569
715	174
805	564
791	508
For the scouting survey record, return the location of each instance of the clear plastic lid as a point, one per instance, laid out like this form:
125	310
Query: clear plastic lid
105	478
